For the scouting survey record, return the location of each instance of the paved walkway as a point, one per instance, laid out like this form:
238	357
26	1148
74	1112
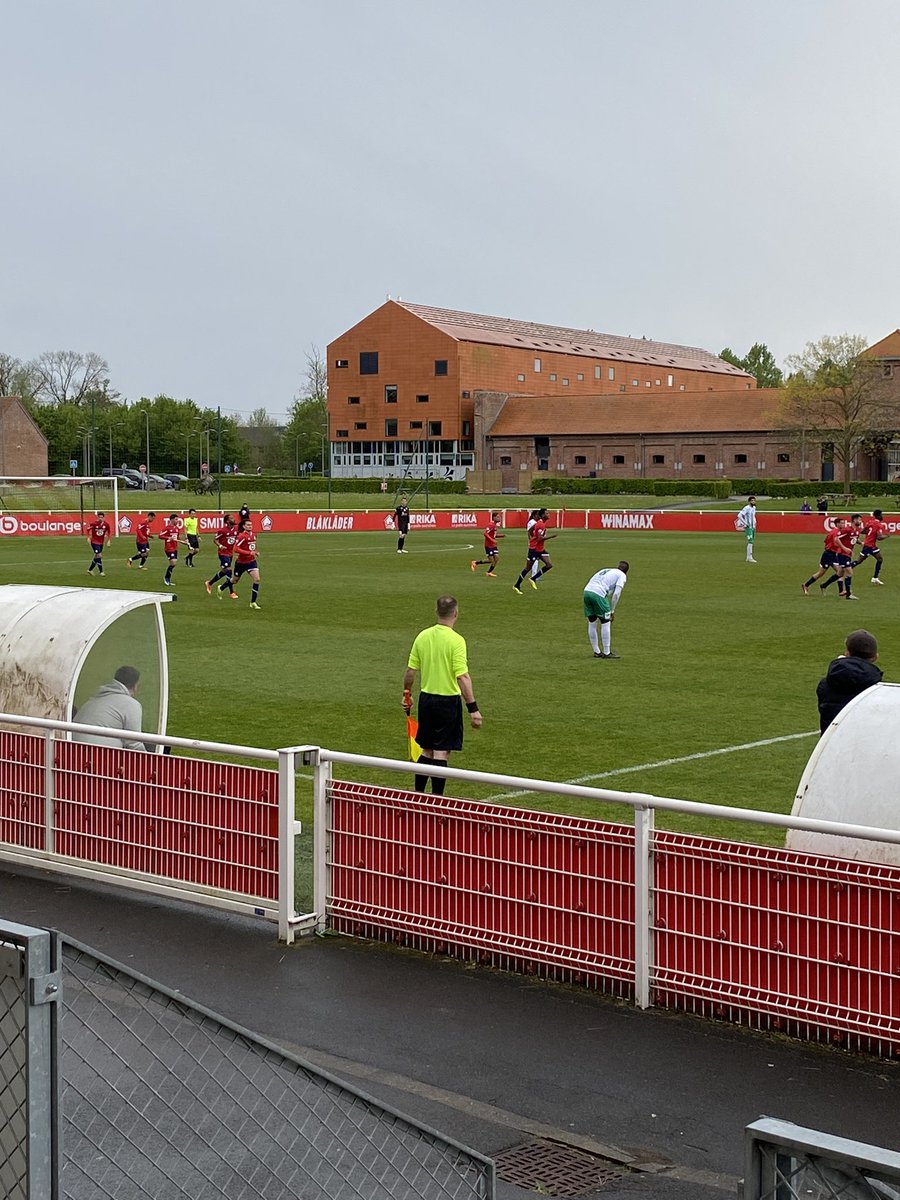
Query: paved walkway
488	1058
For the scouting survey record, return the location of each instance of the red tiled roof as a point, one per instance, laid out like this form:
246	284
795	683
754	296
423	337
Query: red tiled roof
888	347
503	331
678	412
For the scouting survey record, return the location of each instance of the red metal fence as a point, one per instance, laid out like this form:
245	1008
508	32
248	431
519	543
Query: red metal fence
759	935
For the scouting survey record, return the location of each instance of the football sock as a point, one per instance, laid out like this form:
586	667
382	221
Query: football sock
829	582
400	540
840	586
544	570
592	635
878	562
421	781
215	579
810	581
438	782
169	575
254	593
518	582
226	584
606	637
189	560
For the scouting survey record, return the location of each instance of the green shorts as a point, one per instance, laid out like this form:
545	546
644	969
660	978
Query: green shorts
750	534
596	606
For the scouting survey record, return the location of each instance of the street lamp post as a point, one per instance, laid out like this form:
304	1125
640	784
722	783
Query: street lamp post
200	458
147	451
187	452
297	455
115	425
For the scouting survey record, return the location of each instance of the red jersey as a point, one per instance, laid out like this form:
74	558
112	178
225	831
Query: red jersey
98	532
142	536
537	536
225	540
839	541
490	536
875	529
245	547
169	537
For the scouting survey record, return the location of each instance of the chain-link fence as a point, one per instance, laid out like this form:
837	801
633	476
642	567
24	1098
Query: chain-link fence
163	1099
787	1162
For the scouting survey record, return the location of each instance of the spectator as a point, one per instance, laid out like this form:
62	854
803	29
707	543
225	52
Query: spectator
114	707
805	506
848	675
822	504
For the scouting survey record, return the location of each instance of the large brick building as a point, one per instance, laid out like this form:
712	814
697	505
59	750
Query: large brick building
402	383
23	448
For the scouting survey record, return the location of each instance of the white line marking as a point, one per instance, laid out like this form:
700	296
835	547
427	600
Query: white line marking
668	762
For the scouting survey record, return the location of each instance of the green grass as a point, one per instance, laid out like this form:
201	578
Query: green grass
715	652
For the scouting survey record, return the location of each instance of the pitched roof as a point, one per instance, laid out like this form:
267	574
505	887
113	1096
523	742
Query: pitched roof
504	331
680	412
888	347
10	404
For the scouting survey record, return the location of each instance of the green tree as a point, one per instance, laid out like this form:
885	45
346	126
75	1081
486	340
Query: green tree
836	395
759	361
18	378
306	433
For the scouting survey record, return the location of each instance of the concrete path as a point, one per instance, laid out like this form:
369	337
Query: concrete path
488	1058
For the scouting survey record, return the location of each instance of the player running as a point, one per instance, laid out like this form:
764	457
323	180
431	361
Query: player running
191	527
246	554
601	595
876	530
536	552
843	559
826	561
745	522
492	553
99	533
225	539
170	537
142	542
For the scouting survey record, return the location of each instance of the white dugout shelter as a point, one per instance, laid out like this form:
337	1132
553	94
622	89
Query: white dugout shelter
58	645
852	777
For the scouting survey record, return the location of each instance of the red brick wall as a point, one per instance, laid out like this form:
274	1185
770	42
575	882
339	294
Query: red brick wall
23	448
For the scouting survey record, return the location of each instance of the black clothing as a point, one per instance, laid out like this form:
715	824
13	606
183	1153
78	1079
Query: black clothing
846	678
401	516
440	722
244	514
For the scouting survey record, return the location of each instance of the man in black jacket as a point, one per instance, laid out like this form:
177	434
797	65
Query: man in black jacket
848	675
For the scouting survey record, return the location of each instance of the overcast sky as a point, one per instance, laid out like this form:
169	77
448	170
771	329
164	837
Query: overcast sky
201	190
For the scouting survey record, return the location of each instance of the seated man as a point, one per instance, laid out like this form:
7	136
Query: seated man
114	707
848	675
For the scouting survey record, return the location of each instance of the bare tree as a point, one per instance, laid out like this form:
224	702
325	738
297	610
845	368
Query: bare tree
836	396
68	377
315	379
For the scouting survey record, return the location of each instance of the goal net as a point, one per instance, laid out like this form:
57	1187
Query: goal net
61	494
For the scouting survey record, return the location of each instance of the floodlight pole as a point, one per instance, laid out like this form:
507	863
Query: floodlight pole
147	451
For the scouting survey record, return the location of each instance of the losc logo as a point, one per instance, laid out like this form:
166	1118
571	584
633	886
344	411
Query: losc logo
266	522
8	523
124	524
389	522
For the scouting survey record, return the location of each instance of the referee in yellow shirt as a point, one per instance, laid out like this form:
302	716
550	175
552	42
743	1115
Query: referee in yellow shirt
191	525
439	656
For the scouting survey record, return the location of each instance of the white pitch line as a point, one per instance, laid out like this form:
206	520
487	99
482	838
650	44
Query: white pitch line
668	762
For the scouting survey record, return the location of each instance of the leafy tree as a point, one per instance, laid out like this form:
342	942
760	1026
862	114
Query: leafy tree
759	361
835	394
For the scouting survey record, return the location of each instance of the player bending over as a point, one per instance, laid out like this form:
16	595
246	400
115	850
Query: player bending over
601	595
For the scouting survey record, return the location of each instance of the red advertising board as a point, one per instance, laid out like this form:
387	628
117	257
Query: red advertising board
32	524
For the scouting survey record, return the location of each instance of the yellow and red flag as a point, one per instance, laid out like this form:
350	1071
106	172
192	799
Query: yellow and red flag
412	729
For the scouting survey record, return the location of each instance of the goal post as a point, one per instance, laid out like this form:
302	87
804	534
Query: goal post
85	495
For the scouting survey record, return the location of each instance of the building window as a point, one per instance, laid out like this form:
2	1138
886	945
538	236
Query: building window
670	379
505	460
699	458
580	377
740	458
434	428
468	395
553	378
390	393
565	381
342	433
421	399
610	373
658	460
783	458
634	383
390	427
342	362
360	425
647	384
415	424
618	460
621	387
537	364
353	399
440	366
580	460
888	370
467	428
520	378
368	362
598	372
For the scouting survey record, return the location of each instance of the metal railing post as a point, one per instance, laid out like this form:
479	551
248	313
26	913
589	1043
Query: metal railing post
49	792
643	904
287	830
321	841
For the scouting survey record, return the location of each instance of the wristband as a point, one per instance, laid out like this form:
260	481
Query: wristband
472	707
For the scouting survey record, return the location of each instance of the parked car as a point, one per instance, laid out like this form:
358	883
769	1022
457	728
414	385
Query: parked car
176	480
160	482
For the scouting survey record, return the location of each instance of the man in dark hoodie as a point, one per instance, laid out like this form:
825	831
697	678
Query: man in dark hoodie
848	675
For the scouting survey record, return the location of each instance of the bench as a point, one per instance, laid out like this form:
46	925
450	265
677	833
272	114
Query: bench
846	499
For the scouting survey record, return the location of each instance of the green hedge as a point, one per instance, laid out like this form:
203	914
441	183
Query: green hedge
719	488
249	485
800	489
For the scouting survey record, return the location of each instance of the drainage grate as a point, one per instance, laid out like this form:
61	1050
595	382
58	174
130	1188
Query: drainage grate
555	1170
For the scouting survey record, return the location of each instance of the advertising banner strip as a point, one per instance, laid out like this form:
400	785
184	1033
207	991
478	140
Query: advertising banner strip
470	521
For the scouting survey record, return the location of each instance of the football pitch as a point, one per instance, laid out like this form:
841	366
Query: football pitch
716	654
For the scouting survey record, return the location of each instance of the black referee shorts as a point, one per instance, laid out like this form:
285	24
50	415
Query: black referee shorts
440	722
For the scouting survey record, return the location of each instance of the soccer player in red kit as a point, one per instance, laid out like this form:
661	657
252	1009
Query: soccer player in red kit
536	552
98	535
224	539
491	551
170	537
844	542
826	562
245	555
876	530
142	542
